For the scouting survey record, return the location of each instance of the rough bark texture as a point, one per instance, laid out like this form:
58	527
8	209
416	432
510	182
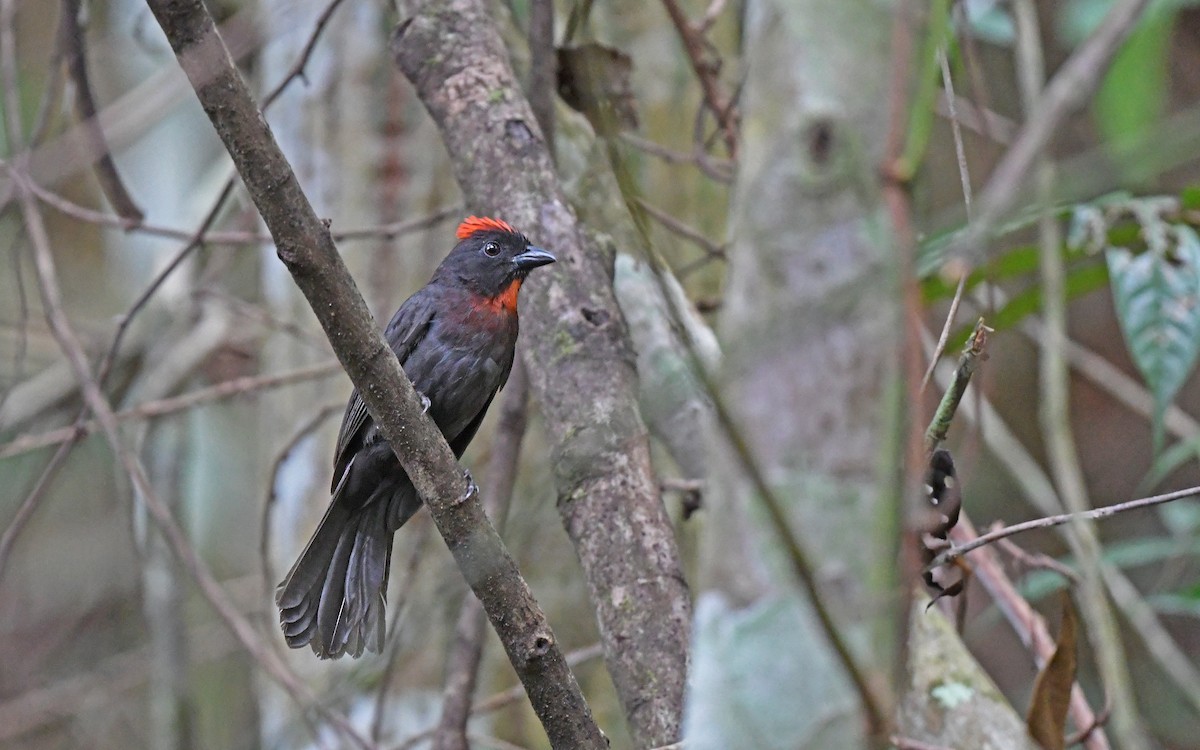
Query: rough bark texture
581	363
949	701
673	404
304	244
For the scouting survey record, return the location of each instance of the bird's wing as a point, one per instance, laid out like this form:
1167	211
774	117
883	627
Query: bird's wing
406	329
463	439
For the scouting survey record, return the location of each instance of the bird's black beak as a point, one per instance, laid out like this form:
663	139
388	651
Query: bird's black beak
532	258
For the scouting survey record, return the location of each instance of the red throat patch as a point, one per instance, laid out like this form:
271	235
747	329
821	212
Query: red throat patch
506	301
473	224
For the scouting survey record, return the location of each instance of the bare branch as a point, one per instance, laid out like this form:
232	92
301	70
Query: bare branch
1068	90
30	504
706	69
972	354
720	170
387	231
1025	621
506	697
1095	514
212	591
85	106
304	244
161	407
676	226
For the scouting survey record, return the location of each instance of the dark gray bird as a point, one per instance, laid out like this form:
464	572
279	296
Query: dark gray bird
455	339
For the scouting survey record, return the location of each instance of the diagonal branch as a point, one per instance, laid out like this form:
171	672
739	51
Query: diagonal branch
305	246
85	106
581	363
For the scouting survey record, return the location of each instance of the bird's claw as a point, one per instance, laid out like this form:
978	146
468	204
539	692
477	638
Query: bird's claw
425	402
471	491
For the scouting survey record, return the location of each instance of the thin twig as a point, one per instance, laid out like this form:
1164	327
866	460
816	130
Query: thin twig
226	389
1095	514
981	100
26	510
975	117
1035	560
387	231
718	169
1099	721
61	329
683	230
706	70
85	107
297	69
964	178
260	314
507	697
264	533
156	283
960	151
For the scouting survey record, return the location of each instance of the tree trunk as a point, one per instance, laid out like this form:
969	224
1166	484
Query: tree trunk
808	333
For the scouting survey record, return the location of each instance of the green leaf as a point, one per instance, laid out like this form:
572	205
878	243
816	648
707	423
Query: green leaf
1085	278
1133	94
1189	198
1126	555
1167	462
1156	296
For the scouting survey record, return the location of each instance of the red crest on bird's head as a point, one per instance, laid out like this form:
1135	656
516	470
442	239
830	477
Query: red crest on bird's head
473	224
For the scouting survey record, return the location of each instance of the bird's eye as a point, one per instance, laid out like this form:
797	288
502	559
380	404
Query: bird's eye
491	249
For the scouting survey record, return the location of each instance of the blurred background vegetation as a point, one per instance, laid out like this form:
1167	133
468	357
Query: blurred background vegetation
104	641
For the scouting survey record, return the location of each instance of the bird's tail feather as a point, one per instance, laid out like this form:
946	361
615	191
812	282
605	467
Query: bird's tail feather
333	598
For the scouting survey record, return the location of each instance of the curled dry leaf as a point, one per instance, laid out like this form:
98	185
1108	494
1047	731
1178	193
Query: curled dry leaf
1047	718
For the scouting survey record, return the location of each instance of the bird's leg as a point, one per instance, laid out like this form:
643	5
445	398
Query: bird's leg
425	402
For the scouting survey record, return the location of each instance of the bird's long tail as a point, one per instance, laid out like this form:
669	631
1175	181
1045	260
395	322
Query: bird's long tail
333	598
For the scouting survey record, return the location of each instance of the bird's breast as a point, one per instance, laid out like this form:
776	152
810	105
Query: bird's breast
459	366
